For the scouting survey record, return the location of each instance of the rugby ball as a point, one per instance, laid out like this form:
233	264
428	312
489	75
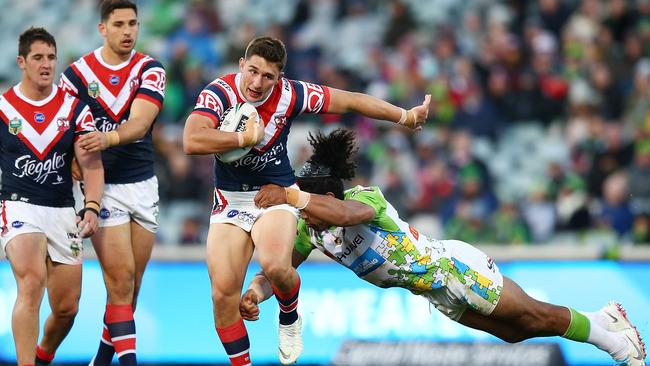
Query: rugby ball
234	120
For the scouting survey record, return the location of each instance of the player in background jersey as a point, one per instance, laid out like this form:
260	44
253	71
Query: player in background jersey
125	91
41	234
237	226
359	229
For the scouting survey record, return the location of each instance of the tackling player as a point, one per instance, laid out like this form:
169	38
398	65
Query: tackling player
236	225
125	91
41	234
359	229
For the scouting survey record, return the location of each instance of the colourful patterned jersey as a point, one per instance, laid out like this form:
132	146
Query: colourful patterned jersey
387	251
36	146
267	162
109	90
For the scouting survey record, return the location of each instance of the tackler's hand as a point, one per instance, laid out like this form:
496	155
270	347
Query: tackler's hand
248	306
270	195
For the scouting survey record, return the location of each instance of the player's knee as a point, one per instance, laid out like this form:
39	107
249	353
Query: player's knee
276	272
223	299
66	309
31	285
121	282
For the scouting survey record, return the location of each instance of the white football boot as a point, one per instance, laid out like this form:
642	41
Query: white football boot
618	322
290	342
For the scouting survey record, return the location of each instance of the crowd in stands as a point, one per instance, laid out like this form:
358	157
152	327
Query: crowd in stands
539	126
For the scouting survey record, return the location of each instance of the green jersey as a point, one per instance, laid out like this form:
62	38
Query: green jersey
386	251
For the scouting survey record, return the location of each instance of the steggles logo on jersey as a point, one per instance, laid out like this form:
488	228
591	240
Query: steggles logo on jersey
15	126
39	117
93	89
260	162
62	124
40	170
114	79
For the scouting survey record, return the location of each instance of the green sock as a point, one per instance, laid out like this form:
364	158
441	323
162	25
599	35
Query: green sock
579	327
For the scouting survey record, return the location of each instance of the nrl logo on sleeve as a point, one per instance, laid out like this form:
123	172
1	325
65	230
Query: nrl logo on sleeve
93	89
15	126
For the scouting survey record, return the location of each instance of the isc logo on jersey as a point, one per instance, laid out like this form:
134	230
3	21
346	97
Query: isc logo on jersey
234	120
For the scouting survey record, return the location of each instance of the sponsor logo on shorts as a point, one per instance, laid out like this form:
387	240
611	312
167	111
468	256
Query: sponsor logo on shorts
17	224
232	213
104	213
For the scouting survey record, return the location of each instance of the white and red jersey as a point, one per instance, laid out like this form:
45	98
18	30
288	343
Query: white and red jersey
268	161
109	90
36	146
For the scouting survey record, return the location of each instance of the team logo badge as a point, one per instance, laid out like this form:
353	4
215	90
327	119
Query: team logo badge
114	80
93	89
15	126
134	84
62	124
280	122
39	117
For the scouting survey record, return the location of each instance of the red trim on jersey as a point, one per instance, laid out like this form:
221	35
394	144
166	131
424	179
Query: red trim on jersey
102	72
278	131
148	98
212	118
21	105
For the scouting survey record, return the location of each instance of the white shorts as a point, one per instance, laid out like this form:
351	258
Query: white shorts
138	201
471	279
238	208
57	223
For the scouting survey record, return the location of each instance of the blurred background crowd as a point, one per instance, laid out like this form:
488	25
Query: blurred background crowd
539	128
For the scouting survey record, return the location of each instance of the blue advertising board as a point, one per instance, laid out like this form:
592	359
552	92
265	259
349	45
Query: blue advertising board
175	325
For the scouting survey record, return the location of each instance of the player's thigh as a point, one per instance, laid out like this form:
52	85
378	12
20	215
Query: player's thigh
228	253
113	247
26	254
142	242
63	287
274	234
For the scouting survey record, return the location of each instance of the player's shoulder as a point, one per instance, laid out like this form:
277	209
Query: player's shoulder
148	60
224	80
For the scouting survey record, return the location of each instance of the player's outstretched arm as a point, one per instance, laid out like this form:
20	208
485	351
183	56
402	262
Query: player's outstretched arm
342	101
259	289
326	208
92	170
141	117
200	137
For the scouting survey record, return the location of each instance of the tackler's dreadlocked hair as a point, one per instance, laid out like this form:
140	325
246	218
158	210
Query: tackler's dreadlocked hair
333	161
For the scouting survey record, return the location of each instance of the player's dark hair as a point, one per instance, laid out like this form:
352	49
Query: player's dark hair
333	161
107	7
32	35
268	48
